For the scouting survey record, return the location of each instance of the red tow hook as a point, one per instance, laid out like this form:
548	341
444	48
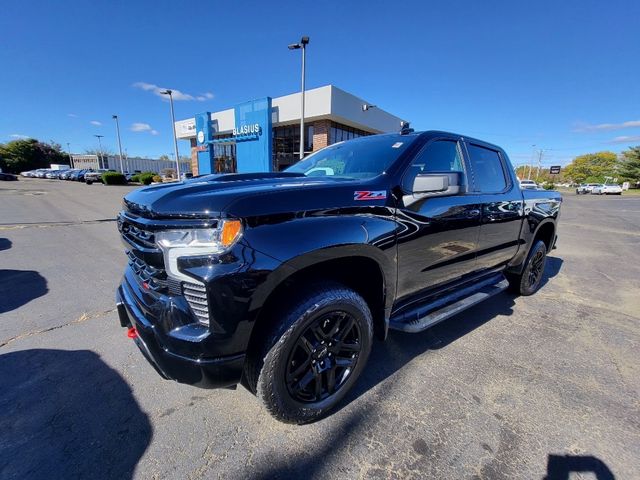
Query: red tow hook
132	332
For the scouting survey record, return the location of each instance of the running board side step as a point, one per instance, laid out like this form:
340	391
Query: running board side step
418	320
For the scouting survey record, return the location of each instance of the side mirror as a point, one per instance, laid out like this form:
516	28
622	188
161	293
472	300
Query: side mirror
439	184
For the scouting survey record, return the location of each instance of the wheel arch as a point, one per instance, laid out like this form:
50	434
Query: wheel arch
363	268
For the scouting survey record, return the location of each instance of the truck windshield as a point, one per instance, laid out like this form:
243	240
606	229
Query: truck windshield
360	158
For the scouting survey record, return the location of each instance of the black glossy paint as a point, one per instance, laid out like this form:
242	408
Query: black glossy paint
421	245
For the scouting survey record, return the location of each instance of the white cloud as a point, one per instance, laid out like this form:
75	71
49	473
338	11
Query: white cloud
18	135
603	127
72	115
176	94
204	96
143	127
626	139
96	123
140	127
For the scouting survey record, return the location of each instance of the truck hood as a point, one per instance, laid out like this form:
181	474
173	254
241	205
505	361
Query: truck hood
207	197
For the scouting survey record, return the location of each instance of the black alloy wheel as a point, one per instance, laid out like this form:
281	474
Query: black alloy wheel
314	349
529	281
537	267
324	356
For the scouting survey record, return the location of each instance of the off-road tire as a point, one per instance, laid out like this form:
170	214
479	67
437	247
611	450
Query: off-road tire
269	366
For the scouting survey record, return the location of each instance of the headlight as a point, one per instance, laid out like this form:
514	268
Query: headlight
193	242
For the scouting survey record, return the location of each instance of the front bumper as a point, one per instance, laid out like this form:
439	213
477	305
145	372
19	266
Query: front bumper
217	372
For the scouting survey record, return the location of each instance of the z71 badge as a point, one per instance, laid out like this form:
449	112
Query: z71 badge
370	195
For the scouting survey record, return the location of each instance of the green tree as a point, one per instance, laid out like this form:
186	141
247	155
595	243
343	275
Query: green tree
630	165
592	167
29	154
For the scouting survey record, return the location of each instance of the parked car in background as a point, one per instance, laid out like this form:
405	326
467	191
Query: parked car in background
79	175
607	189
95	176
64	175
55	174
585	188
7	176
528	185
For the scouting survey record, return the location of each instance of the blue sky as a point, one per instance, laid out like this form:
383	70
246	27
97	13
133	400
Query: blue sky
564	76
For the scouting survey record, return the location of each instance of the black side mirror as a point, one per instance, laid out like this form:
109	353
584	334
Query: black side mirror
428	185
439	184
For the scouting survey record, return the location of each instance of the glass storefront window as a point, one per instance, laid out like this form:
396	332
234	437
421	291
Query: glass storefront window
224	155
340	133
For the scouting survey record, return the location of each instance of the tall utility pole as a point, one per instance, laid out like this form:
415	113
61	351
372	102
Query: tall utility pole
100	157
69	152
540	154
173	125
533	154
304	41
115	117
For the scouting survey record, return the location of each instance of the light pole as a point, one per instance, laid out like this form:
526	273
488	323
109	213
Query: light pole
173	125
100	159
69	152
304	41
115	117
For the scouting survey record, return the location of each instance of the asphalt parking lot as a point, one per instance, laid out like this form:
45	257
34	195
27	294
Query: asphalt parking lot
518	387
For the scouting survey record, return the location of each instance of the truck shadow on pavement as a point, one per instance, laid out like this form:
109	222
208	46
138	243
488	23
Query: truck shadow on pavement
5	244
18	287
66	414
560	467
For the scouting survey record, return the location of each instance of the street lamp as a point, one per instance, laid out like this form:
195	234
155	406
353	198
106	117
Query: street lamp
115	117
69	152
173	125
302	45
100	159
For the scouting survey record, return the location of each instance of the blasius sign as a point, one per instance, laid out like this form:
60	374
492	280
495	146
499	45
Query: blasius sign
253	129
253	136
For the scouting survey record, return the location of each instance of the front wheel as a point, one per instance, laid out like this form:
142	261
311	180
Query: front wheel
314	354
528	282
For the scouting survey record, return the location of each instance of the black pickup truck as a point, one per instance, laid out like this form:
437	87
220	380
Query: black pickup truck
281	281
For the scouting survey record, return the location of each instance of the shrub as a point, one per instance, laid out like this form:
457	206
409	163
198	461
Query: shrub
157	179
113	178
146	178
549	186
135	178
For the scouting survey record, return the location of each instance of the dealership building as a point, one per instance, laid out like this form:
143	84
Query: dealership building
263	135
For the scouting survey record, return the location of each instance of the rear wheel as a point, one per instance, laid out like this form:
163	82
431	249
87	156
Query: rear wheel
528	282
314	354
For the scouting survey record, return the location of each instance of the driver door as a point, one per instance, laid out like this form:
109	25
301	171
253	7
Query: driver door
438	236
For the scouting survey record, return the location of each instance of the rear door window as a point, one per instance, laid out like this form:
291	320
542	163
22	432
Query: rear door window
487	169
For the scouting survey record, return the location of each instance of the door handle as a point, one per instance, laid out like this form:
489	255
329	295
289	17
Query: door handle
474	213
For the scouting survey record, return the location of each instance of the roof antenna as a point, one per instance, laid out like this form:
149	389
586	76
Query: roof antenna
405	128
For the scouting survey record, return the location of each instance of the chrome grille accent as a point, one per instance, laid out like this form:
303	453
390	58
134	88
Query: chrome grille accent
196	296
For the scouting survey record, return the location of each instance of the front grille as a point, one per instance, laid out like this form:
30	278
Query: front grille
196	296
156	278
140	238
